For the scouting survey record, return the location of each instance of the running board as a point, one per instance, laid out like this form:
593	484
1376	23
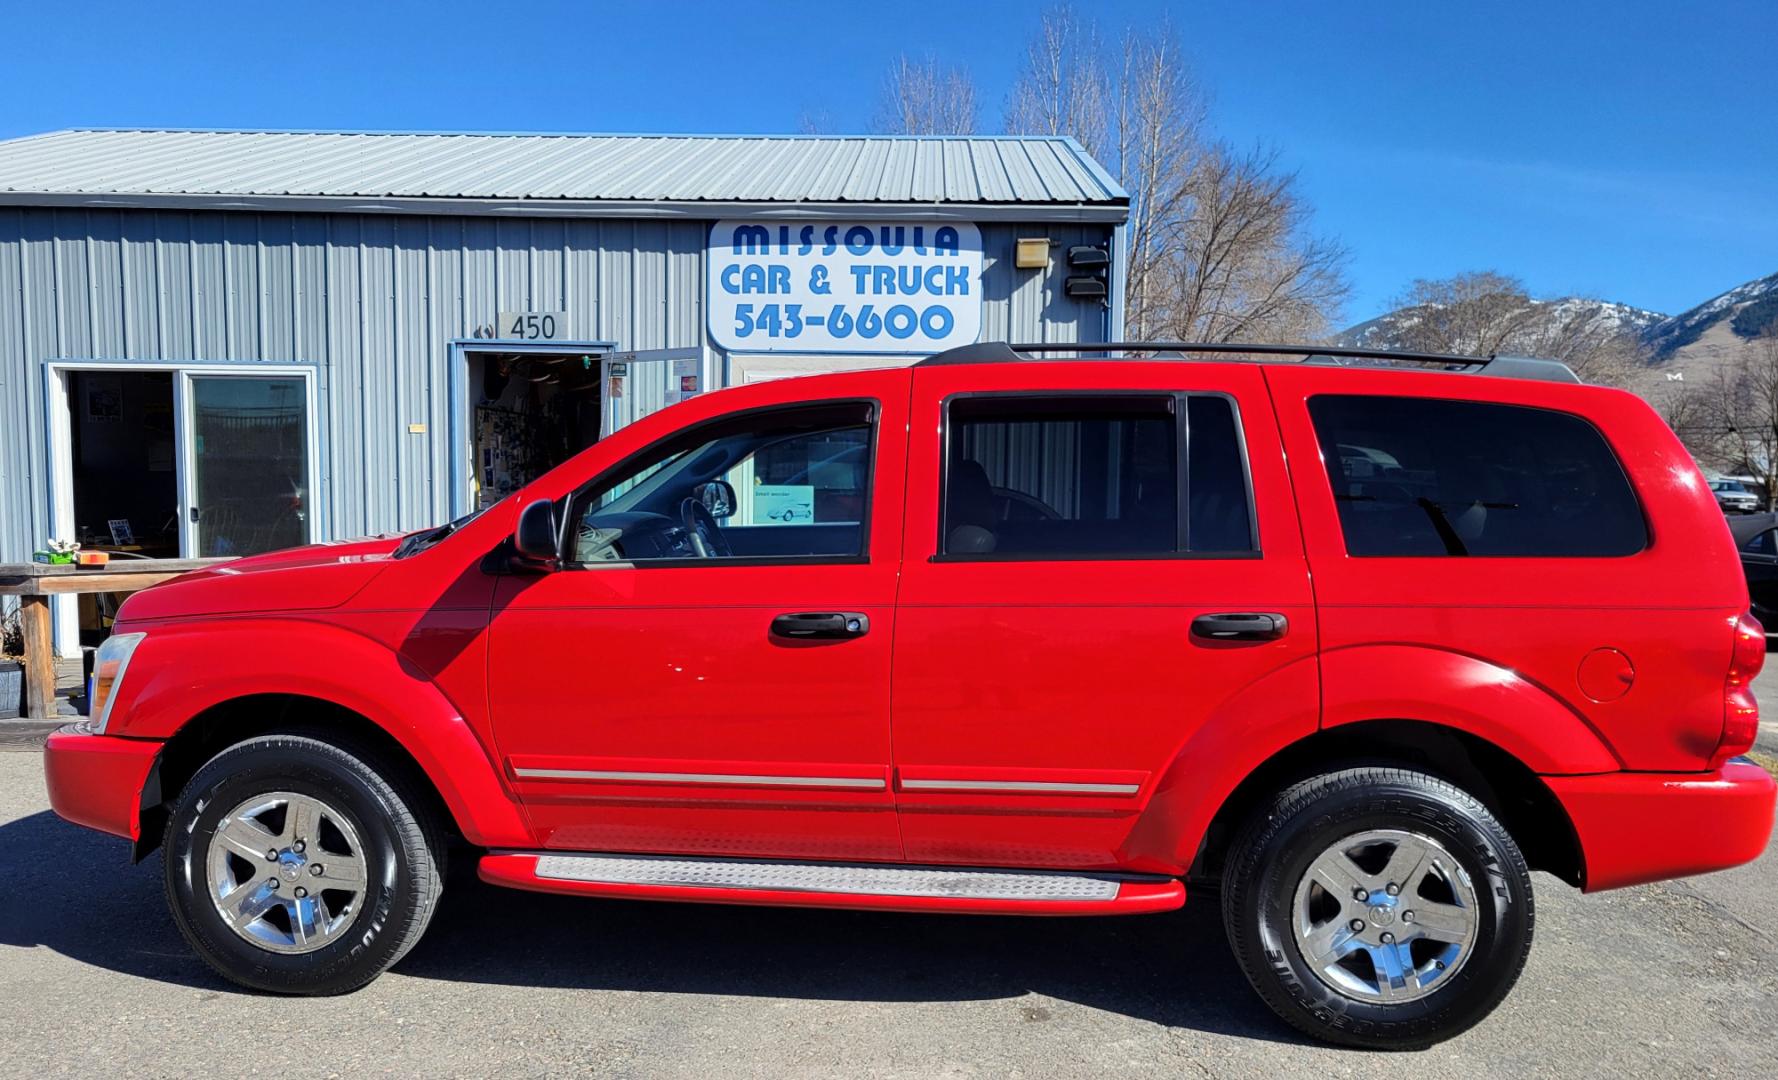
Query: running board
868	886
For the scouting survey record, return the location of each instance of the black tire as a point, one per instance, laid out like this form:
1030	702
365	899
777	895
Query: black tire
1279	846
402	852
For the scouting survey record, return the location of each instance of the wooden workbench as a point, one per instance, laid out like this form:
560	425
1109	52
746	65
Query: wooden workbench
35	583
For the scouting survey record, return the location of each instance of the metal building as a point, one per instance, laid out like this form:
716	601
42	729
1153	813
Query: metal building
220	342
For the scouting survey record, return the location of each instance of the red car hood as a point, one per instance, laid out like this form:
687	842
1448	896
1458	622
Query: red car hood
296	579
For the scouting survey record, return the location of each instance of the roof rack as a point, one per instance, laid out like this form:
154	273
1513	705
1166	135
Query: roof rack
1511	367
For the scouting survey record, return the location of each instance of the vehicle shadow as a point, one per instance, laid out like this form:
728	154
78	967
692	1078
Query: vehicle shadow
64	886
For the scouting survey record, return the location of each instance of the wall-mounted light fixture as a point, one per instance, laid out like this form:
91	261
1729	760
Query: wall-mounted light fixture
1032	253
1089	273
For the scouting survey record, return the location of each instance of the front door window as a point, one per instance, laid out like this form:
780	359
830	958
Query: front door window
784	484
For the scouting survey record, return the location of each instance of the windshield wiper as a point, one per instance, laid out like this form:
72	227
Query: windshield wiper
414	543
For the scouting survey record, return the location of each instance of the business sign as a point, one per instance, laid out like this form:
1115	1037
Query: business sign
844	287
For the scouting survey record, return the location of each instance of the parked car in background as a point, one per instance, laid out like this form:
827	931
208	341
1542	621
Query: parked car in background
1757	537
1733	497
1055	651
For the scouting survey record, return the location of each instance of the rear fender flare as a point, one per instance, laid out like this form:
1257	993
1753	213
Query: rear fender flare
1243	733
1473	695
181	671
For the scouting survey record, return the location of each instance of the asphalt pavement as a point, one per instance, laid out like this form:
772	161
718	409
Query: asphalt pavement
1668	980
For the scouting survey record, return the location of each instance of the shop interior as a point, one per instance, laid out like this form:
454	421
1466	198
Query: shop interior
126	489
530	413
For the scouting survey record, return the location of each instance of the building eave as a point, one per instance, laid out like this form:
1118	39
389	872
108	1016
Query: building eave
1109	213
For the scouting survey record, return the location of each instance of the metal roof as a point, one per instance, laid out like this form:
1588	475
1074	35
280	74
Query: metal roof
997	177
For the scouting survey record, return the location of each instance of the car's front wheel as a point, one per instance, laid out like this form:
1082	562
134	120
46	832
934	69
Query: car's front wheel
294	866
1378	907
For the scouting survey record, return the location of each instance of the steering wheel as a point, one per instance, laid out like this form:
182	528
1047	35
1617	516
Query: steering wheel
701	528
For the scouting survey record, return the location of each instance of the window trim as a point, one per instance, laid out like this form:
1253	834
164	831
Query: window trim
1177	406
1648	533
873	418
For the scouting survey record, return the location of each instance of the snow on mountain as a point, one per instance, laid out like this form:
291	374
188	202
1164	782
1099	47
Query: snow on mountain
1750	308
1391	329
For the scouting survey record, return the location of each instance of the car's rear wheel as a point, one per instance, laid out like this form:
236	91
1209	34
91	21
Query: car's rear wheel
1378	907
293	865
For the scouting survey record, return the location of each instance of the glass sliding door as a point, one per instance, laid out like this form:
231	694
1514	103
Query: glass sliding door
249	457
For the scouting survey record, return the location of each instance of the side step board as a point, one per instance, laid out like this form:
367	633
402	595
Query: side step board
868	886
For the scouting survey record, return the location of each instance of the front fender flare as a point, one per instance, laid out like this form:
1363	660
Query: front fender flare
182	670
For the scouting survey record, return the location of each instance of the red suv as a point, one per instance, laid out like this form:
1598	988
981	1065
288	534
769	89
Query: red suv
1356	641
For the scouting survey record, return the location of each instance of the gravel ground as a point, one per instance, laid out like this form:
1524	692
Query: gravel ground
1677	979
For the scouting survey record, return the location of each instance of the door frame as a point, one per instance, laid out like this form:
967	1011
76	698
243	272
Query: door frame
59	445
458	426
692	353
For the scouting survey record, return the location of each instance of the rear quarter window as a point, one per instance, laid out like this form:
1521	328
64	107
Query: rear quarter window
1434	477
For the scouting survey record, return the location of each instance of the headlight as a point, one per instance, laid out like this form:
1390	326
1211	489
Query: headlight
108	668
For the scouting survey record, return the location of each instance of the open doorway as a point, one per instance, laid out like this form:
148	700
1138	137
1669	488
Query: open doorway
123	462
530	411
151	460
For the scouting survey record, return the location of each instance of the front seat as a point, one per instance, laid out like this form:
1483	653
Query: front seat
969	510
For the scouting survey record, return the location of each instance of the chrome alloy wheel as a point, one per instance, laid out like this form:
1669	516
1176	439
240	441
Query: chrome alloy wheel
287	872
1385	916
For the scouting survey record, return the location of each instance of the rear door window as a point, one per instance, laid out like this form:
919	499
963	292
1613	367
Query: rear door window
1102	476
1420	476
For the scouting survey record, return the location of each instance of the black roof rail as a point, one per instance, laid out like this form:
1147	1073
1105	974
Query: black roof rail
1512	367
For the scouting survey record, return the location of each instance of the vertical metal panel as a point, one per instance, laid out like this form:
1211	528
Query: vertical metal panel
209	289
411	362
74	316
140	291
240	282
382	376
42	337
374	302
173	282
104	267
17	402
277	289
445	318
352	515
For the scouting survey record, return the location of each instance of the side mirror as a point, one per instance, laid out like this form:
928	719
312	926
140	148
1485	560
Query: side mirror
718	497
534	541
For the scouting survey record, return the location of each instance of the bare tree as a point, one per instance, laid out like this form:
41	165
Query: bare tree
1064	88
1740	433
815	122
1246	270
1159	147
926	98
1217	245
1482	313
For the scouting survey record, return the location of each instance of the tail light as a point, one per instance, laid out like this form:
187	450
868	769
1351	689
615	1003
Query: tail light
1740	712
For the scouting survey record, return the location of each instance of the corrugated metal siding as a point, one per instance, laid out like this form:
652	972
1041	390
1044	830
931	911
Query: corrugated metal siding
373	302
634	168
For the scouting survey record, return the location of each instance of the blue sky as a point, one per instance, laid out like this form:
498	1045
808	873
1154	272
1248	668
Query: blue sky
1624	150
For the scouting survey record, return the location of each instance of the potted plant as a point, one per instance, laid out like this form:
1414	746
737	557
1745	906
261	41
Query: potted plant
63	551
12	671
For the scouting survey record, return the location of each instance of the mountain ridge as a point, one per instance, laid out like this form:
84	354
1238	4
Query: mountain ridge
1749	308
